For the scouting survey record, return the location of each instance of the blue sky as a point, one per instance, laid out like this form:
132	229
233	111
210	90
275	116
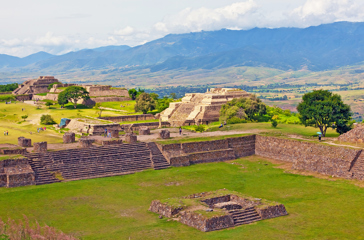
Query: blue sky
58	27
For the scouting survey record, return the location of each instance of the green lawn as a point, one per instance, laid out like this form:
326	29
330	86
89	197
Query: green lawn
117	207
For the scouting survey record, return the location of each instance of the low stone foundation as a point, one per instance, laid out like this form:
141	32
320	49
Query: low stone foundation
130	138
16	173
109	142
69	137
163	209
21	151
144	131
114	133
40	147
86	142
164	134
272	211
24	142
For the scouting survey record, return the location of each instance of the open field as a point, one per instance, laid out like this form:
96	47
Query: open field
117	207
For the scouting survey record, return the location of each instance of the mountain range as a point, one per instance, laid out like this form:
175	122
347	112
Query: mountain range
316	48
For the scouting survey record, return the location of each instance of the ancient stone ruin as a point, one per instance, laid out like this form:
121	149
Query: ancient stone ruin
35	86
86	142
164	134
16	173
144	131
130	138
200	108
210	211
40	147
354	135
114	133
69	137
24	142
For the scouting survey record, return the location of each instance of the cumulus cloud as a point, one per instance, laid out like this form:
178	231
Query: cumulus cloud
315	12
127	31
238	15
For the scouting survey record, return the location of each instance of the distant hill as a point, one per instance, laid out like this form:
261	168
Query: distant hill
316	48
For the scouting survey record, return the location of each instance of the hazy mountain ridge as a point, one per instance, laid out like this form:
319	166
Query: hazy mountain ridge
316	48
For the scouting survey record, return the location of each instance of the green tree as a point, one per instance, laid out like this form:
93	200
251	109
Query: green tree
323	109
47	120
62	99
250	108
144	103
24	117
163	103
173	95
48	104
132	93
75	93
98	109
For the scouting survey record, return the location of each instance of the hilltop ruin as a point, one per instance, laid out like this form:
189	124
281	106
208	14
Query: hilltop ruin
200	108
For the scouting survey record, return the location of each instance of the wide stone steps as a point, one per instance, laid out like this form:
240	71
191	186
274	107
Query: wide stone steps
158	159
358	168
245	216
41	175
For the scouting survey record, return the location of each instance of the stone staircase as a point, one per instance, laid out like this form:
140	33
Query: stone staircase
42	176
179	116
245	216
358	169
159	161
94	162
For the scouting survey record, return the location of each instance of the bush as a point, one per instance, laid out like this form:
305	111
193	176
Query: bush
199	128
47	120
274	123
235	119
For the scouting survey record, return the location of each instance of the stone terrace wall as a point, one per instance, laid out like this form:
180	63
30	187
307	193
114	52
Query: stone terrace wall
13	151
272	211
204	224
163	209
205	146
355	135
130	118
16	172
327	160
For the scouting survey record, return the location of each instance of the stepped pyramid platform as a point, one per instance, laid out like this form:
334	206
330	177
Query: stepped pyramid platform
210	211
95	162
35	86
200	108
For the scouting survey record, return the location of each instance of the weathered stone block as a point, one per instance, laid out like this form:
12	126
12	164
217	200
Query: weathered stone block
130	138
86	142
114	133
40	147
69	137
164	134
24	142
144	131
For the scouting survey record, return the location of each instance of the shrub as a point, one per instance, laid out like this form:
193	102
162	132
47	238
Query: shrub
47	120
199	128
274	123
24	117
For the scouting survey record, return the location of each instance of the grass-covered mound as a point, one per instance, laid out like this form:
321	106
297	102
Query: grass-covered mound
117	207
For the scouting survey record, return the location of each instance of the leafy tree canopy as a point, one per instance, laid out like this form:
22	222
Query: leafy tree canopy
73	94
51	85
144	103
47	120
323	109
134	93
8	87
242	109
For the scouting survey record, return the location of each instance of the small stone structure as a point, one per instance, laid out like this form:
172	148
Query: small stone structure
130	138
24	142
224	209
144	131
69	137
164	134
114	133
86	142
15	173
35	86
40	147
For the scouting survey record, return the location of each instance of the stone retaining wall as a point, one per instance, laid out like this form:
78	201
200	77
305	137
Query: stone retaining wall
204	224
13	151
204	157
329	160
137	126
163	209
16	172
27	97
272	211
129	118
106	142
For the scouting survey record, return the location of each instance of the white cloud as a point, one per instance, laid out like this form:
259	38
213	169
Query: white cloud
315	12
127	31
237	15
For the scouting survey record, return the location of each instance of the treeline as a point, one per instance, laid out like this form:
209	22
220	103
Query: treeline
8	87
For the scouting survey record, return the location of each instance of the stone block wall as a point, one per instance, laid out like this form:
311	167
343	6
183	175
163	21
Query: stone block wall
69	137
206	224
205	146
40	147
144	131
130	138
114	133
129	118
164	134
272	211
13	151
329	160
163	209
24	142
26	97
15	173
86	142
